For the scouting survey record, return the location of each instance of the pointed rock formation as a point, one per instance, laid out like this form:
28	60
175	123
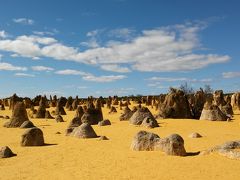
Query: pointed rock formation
149	122
92	115
59	108
13	100
6	152
2	107
126	115
19	115
27	124
69	102
75	103
212	112
175	105
41	109
102	138
76	121
143	114
112	110
48	115
105	122
235	101
59	118
198	103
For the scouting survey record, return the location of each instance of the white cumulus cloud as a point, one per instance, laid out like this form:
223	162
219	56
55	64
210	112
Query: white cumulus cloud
103	79
90	77
21	46
37	39
3	34
159	50
24	21
59	51
42	68
24	75
115	68
228	75
159	81
94	32
91	43
165	49
167	79
82	87
124	33
10	67
71	72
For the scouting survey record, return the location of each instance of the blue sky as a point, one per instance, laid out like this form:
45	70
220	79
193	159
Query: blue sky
123	47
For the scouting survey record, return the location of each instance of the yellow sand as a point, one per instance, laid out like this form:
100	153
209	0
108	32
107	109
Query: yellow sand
73	158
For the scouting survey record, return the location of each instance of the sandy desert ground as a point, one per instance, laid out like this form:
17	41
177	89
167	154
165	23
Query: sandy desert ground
72	158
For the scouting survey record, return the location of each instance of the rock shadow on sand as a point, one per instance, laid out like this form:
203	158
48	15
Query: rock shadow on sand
50	144
192	153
